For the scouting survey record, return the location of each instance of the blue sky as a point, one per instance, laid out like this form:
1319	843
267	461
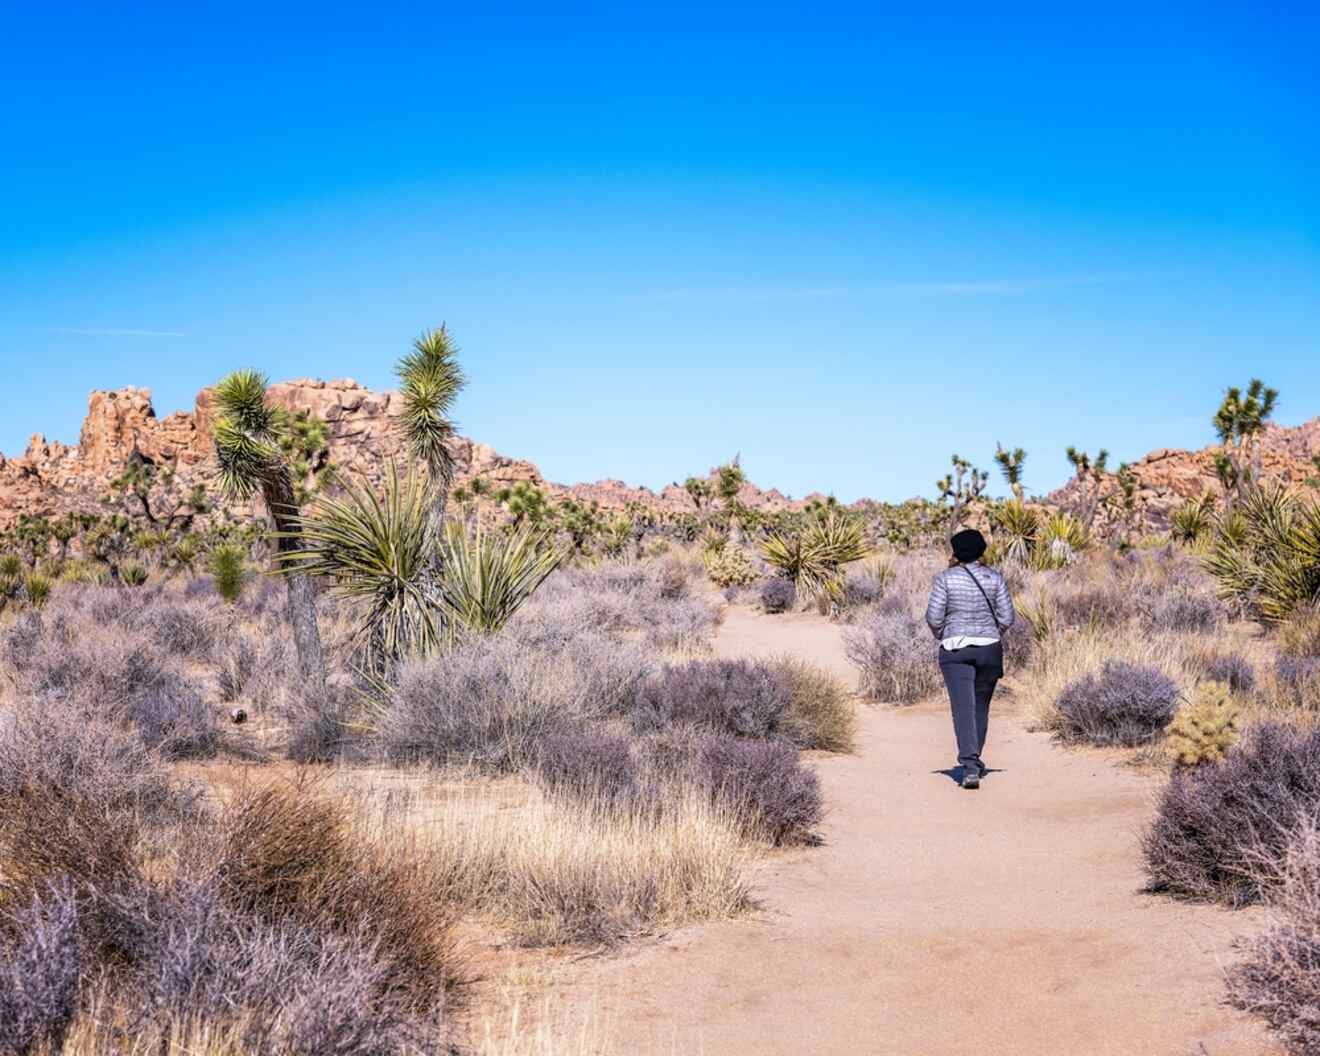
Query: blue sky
844	241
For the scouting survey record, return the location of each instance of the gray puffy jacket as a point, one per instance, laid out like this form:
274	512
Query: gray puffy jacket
956	607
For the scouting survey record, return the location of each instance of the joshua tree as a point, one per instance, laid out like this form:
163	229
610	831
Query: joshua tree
698	489
247	446
1239	422
151	492
729	479
1010	464
430	379
961	488
525	502
1090	482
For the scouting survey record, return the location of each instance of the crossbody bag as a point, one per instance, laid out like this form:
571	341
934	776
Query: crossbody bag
988	603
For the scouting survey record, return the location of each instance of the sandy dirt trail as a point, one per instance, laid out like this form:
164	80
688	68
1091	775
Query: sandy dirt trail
1002	922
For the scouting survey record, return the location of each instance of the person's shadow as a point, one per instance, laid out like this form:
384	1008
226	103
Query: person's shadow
954	773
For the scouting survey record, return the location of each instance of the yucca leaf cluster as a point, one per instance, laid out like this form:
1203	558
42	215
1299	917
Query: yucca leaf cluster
1265	555
489	575
813	559
430	380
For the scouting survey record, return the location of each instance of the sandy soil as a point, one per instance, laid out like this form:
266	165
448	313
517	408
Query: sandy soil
934	920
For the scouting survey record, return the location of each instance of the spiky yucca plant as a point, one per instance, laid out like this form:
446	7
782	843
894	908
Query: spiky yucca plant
813	558
247	447
430	380
1019	526
489	575
1266	553
228	565
1191	522
376	549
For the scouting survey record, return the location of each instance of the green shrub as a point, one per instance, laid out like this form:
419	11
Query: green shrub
229	571
133	573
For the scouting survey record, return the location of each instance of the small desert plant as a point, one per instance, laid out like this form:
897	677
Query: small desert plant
1192	522
763	782
894	653
37	588
229	573
821	713
1017	529
1233	670
1204	730
132	573
1221	832
777	594
729	566
1300	636
1123	704
744	697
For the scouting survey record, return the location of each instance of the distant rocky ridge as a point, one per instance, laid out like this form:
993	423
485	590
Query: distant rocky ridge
1166	478
52	478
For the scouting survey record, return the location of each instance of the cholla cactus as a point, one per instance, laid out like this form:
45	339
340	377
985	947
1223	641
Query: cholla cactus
1204	731
729	567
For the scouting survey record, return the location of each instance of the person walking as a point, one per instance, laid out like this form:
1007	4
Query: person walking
969	610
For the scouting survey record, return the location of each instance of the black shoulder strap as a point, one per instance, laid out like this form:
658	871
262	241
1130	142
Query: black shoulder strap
988	602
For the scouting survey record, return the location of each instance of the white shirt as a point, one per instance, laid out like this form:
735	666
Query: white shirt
960	641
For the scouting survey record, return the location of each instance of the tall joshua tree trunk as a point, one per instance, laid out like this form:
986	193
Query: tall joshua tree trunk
250	459
300	600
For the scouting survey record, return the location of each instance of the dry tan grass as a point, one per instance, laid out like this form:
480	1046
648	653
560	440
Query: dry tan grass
549	872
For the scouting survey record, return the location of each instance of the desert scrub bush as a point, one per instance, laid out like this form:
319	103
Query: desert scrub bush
744	697
1279	977
1300	636
490	701
594	767
764	784
287	855
730	566
1123	704
1221	832
777	595
1232	669
1204	730
1296	681
1181	609
894	654
41	968
821	713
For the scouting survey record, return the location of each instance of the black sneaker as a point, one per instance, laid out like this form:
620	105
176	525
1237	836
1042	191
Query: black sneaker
971	777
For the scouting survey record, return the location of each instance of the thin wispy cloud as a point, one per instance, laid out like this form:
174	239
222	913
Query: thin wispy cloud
96	331
955	288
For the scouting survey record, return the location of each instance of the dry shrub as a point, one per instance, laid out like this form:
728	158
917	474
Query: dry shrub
745	697
777	594
894	653
1231	669
288	855
1221	832
1295	681
821	712
764	784
1300	636
1279	979
1065	658
41	971
1122	704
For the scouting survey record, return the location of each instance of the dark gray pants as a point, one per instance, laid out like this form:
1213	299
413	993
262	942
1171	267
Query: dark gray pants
970	673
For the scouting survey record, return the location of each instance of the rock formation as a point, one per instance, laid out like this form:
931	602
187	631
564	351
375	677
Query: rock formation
52	478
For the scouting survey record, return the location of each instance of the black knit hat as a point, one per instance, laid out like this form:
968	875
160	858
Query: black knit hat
968	545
